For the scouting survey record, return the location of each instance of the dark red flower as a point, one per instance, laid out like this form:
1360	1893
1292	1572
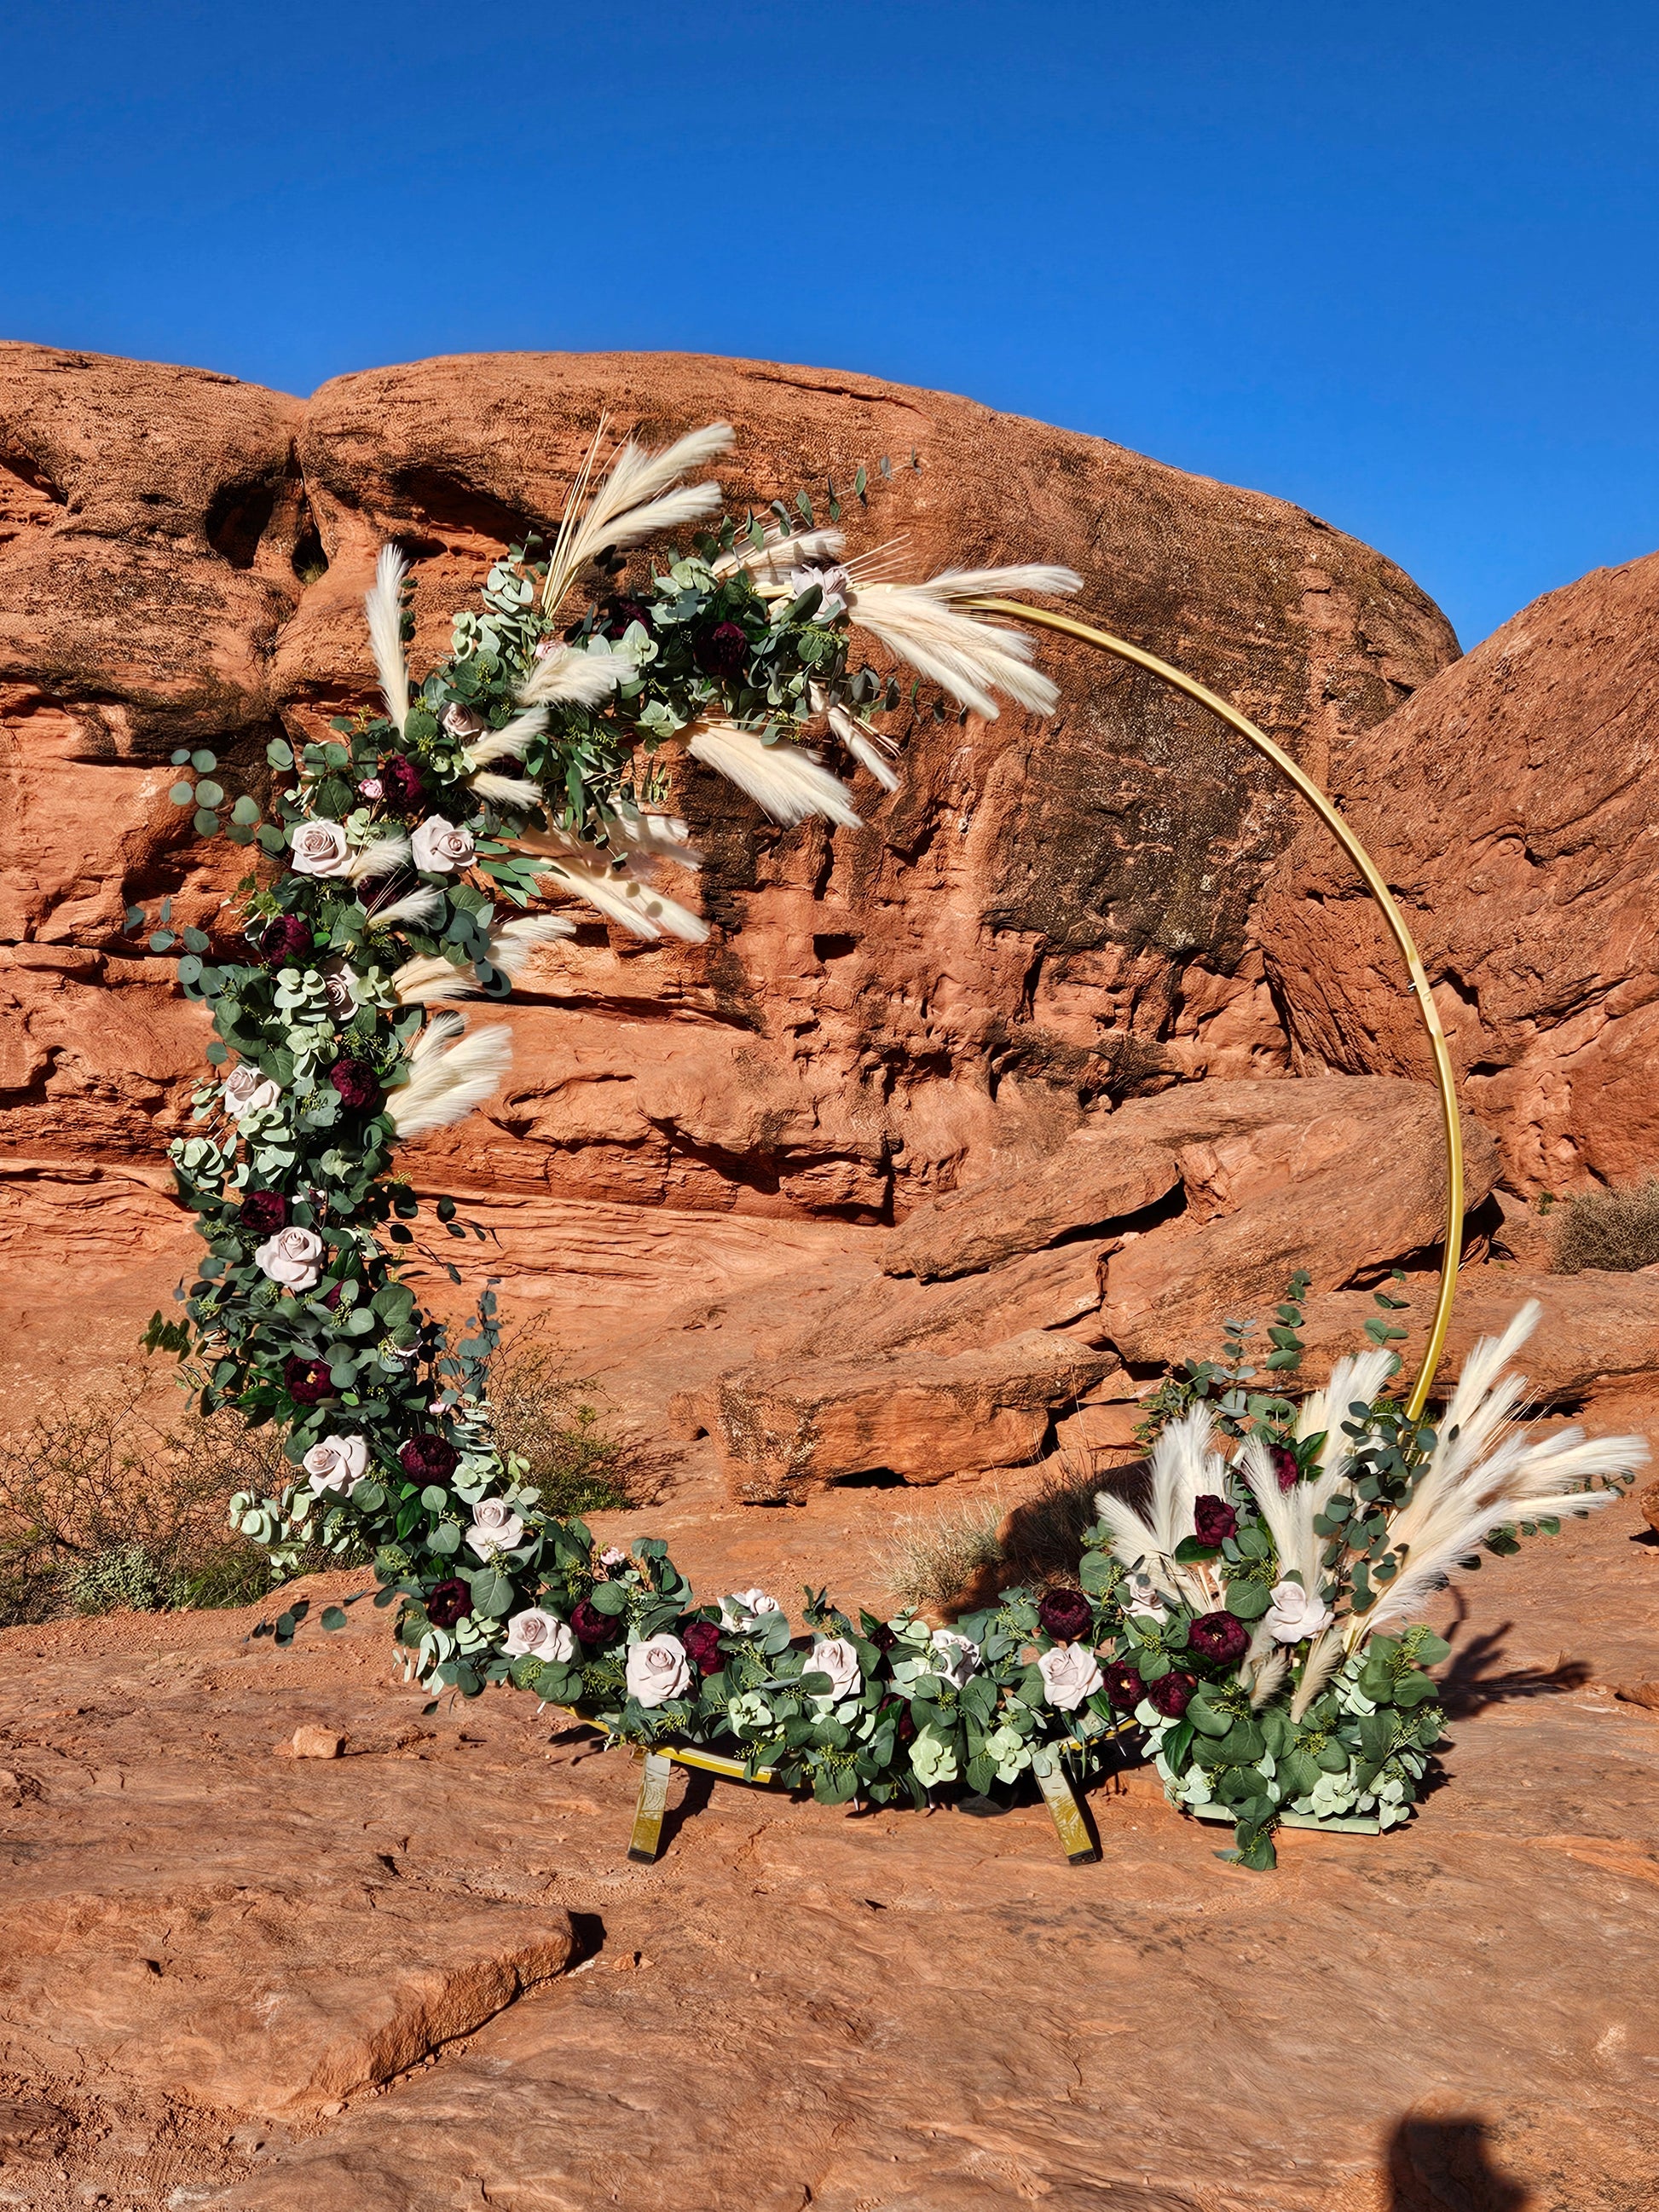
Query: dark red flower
307	1381
331	1297
448	1601
1171	1694
265	1211
1284	1466
702	1640
1213	1521
401	782
1065	1614
722	651
1220	1638
357	1084
1124	1685
428	1458
286	940
620	612
882	1636
593	1628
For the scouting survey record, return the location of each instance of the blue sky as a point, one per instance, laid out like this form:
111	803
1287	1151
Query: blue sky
1398	265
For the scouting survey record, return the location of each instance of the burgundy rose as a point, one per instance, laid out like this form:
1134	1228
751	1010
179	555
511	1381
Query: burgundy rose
357	1083
428	1458
722	651
1284	1466
401	782
702	1640
331	1297
621	612
882	1636
288	939
1124	1685
265	1211
307	1381
1065	1614
1213	1521
1220	1638
1171	1694
593	1628
448	1601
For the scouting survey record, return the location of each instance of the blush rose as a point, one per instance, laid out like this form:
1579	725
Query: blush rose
320	849
658	1669
1070	1673
293	1257
440	848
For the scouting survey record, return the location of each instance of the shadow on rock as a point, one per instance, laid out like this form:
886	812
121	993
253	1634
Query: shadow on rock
1444	2164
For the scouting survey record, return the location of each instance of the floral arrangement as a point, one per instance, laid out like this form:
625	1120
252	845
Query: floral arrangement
402	855
1268	1648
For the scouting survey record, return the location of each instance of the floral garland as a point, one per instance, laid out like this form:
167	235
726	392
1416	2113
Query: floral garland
1234	1620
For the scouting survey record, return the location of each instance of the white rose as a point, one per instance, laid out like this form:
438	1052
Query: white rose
1295	1612
293	1257
440	848
737	1610
658	1669
544	1633
836	1657
955	1656
835	583
320	849
461	721
1069	1675
245	1091
495	1527
337	1463
339	992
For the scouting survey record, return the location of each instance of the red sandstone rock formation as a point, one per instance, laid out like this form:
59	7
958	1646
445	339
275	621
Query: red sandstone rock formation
1044	913
1511	803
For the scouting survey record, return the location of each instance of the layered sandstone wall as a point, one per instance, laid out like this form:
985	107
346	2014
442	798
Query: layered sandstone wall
1044	915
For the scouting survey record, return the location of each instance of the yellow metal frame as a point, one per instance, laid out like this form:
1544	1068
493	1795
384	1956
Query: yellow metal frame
1069	626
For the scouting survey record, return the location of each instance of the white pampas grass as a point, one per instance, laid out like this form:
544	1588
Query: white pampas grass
568	678
922	624
383	607
1356	1380
449	1079
865	745
586	872
1184	1468
514	791
380	858
1269	1677
780	553
635	500
658	837
512	945
413	910
428	977
1483	1473
786	779
1325	1654
510	742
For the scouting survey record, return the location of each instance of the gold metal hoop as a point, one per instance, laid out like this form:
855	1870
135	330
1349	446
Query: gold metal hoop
1105	642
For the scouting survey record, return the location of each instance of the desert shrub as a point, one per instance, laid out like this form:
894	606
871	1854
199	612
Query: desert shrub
118	1496
932	1562
1617	1230
555	1421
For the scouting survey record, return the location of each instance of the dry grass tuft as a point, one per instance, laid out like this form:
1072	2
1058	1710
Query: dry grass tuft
555	1421
1617	1230
118	1498
932	1562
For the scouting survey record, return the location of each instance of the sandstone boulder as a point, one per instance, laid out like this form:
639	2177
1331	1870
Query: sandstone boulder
1510	803
1046	912
1121	1253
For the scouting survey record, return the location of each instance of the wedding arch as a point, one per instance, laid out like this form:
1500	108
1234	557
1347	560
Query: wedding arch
1254	1622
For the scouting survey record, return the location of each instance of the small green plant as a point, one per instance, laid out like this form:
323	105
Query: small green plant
1615	1230
553	1421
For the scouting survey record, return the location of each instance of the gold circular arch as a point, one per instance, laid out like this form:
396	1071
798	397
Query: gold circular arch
1105	642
